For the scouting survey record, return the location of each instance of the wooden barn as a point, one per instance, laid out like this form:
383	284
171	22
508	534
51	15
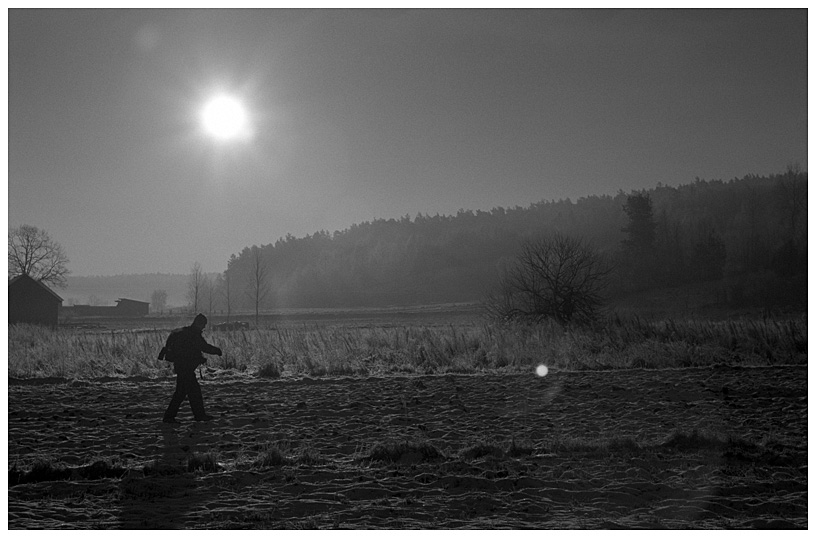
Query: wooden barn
31	301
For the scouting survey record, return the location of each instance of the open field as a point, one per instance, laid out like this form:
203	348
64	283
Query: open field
690	448
637	424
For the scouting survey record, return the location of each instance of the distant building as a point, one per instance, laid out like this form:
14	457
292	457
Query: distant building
131	309
31	301
125	308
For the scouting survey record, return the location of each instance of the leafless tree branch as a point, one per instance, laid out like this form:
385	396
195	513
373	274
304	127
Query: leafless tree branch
556	277
32	252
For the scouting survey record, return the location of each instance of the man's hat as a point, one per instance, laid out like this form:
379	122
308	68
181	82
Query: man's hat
200	320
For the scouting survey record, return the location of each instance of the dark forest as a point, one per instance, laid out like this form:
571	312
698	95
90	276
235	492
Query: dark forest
747	235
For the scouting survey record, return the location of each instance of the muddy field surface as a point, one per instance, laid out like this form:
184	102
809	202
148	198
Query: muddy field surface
687	448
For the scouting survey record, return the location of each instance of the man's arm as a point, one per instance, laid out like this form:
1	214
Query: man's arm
208	348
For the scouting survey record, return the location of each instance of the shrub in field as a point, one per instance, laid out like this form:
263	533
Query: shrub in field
695	440
312	365
309	457
41	471
481	450
405	452
15	475
733	448
519	449
600	446
554	277
706	440
270	370
271	457
161	468
102	469
47	470
207	462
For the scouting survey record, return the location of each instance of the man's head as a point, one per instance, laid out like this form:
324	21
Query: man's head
200	322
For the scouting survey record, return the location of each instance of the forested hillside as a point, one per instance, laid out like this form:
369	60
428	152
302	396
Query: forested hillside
750	234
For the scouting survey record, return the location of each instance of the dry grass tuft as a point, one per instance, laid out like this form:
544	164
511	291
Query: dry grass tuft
269	370
207	462
48	471
272	456
520	449
481	450
409	452
41	471
598	446
309	458
694	440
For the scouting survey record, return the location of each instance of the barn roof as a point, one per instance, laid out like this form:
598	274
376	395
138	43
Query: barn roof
131	301
22	278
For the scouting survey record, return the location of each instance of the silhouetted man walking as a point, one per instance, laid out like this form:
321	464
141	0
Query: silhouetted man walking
184	348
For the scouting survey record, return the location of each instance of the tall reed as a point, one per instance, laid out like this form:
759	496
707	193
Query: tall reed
417	349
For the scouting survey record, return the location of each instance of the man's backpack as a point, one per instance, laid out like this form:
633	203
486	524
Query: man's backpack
174	345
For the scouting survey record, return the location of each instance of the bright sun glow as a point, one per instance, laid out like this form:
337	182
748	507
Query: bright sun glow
224	118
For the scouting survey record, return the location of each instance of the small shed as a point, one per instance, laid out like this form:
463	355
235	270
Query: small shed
131	309
31	301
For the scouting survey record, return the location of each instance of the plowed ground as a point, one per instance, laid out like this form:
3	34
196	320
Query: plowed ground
688	448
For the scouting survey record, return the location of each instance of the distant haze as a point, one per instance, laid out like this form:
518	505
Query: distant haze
355	115
105	290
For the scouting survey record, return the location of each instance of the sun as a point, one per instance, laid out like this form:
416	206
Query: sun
224	117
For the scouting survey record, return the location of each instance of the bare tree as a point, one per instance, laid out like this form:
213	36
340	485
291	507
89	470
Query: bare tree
158	300
32	252
223	287
226	284
258	285
209	293
555	277
641	228
792	192
195	286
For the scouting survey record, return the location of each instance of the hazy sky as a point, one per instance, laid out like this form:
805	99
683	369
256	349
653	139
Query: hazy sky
356	115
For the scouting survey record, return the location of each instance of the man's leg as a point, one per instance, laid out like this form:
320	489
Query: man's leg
196	399
176	400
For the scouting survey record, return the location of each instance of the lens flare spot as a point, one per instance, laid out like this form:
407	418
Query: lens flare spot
542	370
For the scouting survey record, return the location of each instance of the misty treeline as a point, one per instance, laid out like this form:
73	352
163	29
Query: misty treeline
750	234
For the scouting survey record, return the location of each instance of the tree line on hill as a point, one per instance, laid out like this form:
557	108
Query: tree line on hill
750	234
